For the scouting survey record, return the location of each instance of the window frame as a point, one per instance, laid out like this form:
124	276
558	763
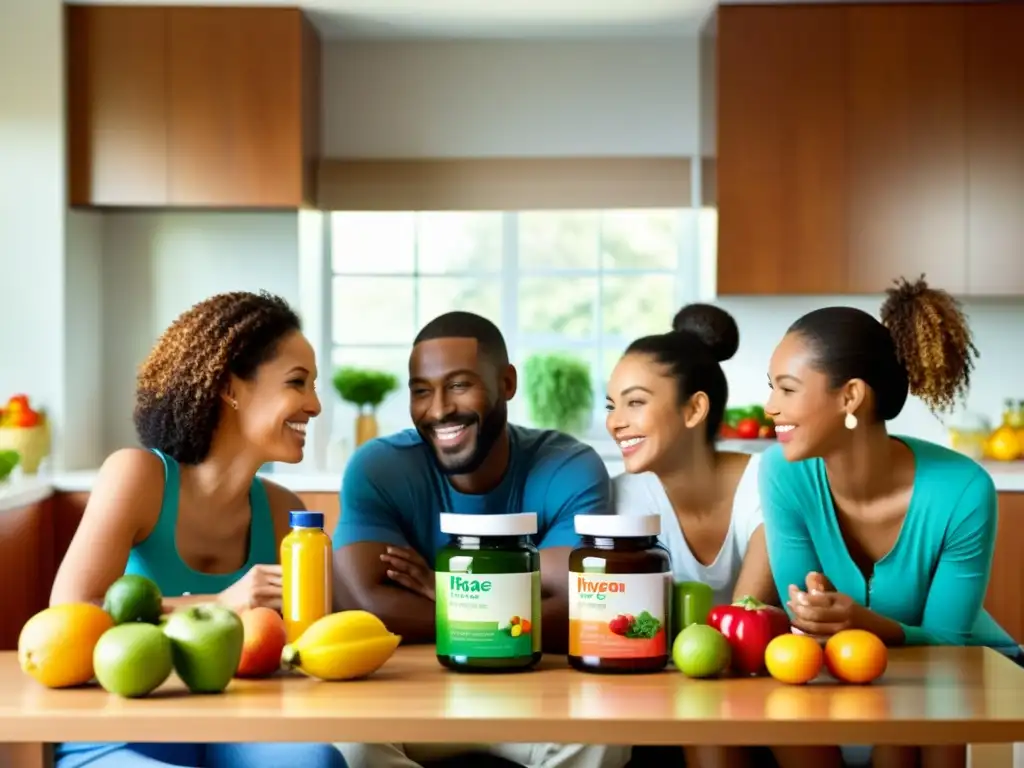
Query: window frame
689	285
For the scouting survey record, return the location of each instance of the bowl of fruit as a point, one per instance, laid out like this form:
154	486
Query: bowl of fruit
25	430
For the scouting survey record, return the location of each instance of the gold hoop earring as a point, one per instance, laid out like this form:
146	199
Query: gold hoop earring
234	404
850	421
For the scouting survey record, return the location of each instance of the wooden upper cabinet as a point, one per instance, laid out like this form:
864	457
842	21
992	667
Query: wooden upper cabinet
117	105
224	100
995	148
906	145
781	159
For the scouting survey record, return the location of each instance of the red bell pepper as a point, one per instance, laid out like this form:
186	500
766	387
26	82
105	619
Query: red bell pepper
749	625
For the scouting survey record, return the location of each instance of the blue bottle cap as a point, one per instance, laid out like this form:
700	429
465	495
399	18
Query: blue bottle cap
303	519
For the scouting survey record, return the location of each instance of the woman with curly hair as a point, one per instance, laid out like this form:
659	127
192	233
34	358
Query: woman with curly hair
869	530
228	387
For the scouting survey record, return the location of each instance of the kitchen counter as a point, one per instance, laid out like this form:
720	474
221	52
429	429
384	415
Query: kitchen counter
19	492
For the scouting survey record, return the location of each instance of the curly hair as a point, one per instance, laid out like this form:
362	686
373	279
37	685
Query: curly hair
933	342
922	346
178	388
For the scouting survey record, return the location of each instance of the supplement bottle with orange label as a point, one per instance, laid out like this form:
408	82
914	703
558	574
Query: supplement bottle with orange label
620	595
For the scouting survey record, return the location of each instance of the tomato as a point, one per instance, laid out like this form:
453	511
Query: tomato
748	429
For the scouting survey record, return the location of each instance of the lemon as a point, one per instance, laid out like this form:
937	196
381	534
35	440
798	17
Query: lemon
340	627
341	646
342	661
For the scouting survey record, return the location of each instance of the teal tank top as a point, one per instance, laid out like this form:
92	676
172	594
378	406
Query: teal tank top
156	557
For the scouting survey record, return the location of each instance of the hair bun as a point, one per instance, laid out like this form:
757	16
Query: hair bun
715	327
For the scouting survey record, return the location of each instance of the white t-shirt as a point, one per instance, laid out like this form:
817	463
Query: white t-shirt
643	494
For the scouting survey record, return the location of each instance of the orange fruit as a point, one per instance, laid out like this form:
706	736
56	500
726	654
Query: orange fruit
56	645
856	656
793	659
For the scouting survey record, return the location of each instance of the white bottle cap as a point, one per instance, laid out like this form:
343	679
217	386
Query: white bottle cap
613	526
520	524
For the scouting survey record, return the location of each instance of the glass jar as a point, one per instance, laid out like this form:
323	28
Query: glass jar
620	595
488	594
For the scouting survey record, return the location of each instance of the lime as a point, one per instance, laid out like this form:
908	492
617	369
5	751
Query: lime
701	651
132	660
133	598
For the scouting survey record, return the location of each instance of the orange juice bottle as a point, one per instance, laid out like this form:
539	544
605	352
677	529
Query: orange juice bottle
306	572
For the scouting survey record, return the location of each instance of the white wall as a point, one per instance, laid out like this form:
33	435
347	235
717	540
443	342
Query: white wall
156	265
83	424
43	290
510	99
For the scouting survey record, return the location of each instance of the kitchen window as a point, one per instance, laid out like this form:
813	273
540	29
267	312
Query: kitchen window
586	282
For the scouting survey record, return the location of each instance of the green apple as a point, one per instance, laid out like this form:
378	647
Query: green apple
206	644
132	660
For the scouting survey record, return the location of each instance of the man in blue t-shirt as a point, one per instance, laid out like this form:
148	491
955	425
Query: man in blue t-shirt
462	456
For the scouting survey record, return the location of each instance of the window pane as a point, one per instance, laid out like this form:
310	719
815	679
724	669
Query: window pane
375	243
468	294
640	239
559	239
558	305
373	310
459	242
610	357
638	305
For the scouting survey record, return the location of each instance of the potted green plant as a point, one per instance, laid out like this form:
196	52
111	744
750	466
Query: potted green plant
559	393
365	389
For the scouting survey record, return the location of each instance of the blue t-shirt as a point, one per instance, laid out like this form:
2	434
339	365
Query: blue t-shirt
393	493
933	580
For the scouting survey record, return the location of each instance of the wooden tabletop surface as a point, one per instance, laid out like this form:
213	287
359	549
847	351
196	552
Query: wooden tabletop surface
928	695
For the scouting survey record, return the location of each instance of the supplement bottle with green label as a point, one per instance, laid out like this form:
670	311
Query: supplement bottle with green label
488	593
620	595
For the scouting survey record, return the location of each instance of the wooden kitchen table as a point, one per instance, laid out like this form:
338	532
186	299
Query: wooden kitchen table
928	695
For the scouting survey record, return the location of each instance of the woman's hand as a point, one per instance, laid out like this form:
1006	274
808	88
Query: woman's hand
261	586
820	610
408	568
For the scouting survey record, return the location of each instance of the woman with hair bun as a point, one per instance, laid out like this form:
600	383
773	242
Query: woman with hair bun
228	387
666	399
869	530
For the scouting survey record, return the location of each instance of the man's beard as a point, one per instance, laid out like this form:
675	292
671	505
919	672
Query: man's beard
489	430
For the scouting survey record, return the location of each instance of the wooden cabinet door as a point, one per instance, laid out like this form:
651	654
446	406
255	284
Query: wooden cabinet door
117	110
235	106
1003	599
907	145
995	149
25	562
781	182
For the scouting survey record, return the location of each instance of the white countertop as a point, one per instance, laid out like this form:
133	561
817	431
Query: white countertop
22	491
